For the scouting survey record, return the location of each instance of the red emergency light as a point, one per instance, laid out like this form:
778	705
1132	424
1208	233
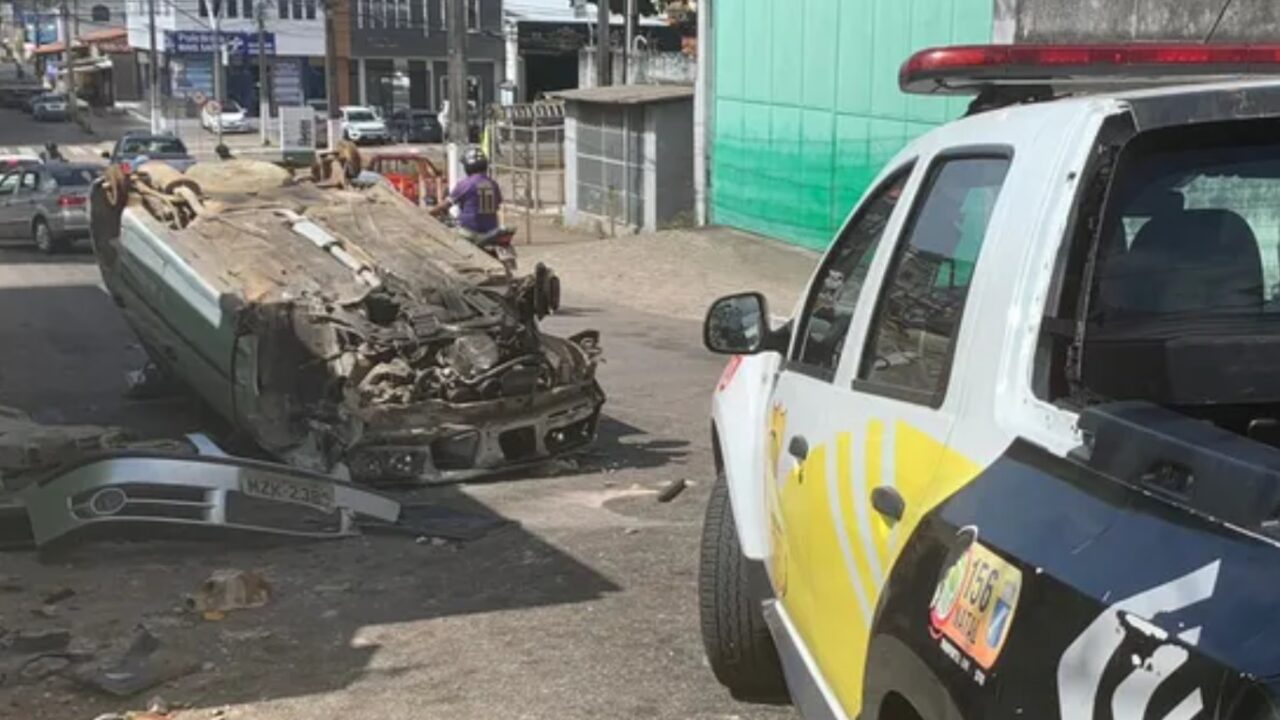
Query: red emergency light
967	69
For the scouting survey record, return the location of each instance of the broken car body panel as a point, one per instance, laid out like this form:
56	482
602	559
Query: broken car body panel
341	327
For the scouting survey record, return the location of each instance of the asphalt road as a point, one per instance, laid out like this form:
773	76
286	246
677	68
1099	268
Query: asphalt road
584	607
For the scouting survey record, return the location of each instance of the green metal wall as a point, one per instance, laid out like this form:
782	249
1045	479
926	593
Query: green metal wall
807	108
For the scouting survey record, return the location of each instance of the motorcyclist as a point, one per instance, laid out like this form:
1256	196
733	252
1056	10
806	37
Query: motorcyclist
477	196
52	153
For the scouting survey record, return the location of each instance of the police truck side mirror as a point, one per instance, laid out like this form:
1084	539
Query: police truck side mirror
737	325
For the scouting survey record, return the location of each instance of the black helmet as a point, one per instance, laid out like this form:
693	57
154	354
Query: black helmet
474	161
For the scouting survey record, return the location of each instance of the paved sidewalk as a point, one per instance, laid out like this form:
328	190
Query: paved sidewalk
676	273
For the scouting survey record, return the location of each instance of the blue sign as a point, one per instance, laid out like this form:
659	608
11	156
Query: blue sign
202	42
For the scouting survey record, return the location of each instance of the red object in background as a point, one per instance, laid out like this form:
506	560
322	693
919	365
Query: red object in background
72	200
411	174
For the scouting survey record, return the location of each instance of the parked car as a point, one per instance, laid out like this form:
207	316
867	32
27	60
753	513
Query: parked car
50	106
232	116
47	204
415	126
133	146
276	291
361	124
1016	452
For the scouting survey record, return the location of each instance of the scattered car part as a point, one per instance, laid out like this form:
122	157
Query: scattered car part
140	491
144	665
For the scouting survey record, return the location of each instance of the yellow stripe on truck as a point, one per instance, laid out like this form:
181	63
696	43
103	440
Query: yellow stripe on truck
829	578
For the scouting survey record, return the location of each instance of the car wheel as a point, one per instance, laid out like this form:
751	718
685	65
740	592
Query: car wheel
44	238
737	641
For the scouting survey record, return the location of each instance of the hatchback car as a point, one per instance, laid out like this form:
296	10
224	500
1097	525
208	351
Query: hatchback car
1017	452
50	106
47	204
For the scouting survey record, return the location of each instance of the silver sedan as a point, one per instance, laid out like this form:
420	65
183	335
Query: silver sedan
47	204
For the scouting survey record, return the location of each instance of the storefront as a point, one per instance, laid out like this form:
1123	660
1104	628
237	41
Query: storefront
292	79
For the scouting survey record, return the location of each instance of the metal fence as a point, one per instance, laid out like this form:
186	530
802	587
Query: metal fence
527	155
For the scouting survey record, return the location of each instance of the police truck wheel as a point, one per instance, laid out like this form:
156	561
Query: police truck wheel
737	641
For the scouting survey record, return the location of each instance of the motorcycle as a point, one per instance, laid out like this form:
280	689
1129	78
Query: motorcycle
497	243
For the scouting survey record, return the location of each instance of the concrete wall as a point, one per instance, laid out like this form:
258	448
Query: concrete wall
1108	20
643	68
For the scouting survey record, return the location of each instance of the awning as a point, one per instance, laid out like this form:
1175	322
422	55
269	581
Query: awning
112	40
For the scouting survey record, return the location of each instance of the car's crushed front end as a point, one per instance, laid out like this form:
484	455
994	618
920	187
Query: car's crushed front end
342	328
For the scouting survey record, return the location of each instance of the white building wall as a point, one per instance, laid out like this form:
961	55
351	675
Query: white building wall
293	37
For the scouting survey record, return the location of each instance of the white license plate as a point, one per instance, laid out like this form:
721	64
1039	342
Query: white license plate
299	492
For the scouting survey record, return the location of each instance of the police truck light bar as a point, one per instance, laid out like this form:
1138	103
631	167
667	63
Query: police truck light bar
968	69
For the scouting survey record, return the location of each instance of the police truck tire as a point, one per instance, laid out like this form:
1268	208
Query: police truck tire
737	641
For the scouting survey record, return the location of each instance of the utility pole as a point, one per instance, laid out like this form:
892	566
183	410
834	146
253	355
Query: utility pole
216	7
331	71
153	68
264	100
456	22
73	108
629	35
604	43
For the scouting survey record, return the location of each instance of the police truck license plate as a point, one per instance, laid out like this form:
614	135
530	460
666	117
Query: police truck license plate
281	489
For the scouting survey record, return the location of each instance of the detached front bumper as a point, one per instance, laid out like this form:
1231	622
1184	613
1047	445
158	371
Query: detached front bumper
139	491
458	442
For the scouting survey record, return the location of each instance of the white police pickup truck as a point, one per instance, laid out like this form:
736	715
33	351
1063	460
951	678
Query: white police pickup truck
1017	452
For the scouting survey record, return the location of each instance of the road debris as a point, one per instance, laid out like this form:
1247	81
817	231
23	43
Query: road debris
355	332
672	489
59	595
41	667
39	641
227	590
46	611
144	665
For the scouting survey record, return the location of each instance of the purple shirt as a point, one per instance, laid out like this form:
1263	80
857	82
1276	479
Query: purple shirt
477	197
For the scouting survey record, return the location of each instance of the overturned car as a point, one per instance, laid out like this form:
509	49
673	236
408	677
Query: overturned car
338	325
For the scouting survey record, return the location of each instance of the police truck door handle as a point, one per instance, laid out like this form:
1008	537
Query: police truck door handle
799	448
889	503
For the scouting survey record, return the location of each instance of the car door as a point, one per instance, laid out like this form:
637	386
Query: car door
8	194
808	445
22	204
880	438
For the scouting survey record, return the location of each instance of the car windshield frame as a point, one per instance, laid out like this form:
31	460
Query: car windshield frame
361	116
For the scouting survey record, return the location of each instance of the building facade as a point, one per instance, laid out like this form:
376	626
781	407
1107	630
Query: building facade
399	52
804	108
294	42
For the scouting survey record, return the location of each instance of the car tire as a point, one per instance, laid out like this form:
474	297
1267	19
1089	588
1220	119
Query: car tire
46	242
739	647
